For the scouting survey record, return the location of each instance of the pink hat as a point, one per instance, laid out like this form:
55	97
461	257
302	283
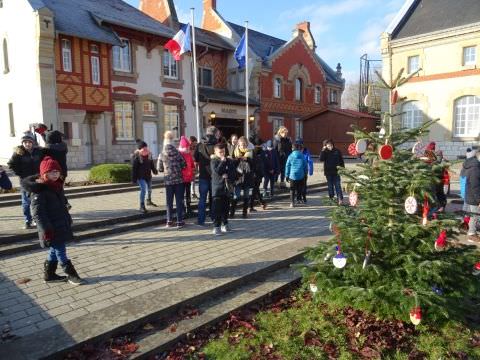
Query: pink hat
184	143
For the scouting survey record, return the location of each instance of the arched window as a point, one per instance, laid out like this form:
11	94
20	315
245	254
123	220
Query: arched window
6	67
318	95
413	115
277	88
298	89
467	116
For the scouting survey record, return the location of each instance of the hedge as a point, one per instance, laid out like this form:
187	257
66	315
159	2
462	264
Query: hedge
111	173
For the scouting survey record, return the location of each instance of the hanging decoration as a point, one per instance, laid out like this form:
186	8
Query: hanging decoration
441	242
339	260
313	288
385	152
426	210
382	133
411	205
353	198
437	290
368	253
476	269
361	146
416	315
352	150
394	97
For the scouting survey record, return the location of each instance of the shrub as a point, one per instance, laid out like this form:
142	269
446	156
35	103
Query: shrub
111	173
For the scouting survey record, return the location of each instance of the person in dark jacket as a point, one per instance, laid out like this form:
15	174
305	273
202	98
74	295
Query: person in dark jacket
244	183
56	148
223	173
5	183
471	170
142	168
232	144
54	223
332	159
202	157
283	146
272	169
25	162
259	160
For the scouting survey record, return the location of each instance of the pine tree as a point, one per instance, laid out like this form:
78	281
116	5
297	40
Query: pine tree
392	264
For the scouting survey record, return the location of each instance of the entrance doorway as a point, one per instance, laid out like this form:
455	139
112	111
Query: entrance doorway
228	127
150	137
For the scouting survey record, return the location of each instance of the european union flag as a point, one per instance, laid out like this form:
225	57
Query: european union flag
241	53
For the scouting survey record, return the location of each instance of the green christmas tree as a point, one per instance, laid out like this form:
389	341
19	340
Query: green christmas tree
390	261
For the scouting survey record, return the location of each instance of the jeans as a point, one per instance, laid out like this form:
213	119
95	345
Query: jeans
238	193
256	194
57	252
145	188
269	179
26	206
334	186
205	188
221	205
295	189
176	191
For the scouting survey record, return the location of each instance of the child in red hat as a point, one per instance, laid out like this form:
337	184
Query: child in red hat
54	223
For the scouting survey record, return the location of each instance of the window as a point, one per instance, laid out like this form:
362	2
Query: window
333	97
12	120
298	129
95	63
277	88
205	77
413	64
6	66
469	55
318	95
277	123
170	67
467	116
412	115
1	4
67	130
172	118
240	80
299	89
149	108
122	60
67	55
124	120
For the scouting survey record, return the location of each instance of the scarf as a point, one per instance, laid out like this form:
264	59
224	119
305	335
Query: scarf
56	186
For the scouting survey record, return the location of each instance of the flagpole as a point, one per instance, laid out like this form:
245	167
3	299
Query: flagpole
247	82
195	76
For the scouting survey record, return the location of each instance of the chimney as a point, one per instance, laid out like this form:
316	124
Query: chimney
304	30
161	10
209	5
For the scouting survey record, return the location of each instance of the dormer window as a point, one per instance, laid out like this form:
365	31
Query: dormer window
67	55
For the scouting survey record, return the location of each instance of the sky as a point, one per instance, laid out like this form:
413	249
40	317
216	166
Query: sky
344	30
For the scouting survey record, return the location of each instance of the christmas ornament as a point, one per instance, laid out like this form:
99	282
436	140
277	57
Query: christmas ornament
382	133
339	260
476	269
352	150
426	210
313	288
361	146
366	101
441	242
385	152
394	97
465	223
366	261
416	315
437	290
411	205
353	198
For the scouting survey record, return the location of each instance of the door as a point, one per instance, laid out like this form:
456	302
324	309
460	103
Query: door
87	142
150	137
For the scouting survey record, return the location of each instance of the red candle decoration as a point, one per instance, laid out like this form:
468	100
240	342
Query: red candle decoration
416	315
441	242
385	152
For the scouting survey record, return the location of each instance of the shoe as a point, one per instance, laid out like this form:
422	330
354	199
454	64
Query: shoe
245	214
152	204
233	207
143	209
217	231
253	210
72	276
27	225
473	238
49	269
264	206
169	224
292	205
226	228
180	225
69	207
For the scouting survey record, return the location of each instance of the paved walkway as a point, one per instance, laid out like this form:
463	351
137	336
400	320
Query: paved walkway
119	268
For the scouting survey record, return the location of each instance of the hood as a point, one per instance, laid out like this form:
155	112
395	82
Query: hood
30	184
471	163
57	146
53	137
20	150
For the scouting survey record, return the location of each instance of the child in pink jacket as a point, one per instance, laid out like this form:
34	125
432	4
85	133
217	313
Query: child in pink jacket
188	172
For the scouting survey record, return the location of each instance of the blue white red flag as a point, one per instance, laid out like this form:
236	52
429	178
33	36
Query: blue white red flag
181	43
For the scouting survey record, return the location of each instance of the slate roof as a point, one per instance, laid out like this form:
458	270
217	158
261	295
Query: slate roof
206	37
223	96
427	16
89	19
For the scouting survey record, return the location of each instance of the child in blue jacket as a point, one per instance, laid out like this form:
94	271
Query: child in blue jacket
302	197
296	170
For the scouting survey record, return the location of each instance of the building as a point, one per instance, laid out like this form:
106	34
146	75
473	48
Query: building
441	39
336	123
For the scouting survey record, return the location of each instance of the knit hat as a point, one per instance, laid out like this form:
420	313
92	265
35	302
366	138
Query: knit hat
28	136
470	153
141	144
299	141
53	137
184	143
49	164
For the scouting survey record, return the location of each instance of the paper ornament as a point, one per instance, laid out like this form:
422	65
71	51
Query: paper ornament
353	198
361	146
313	288
385	152
366	261
476	269
381	133
352	150
441	242
394	97
411	205
416	315
339	260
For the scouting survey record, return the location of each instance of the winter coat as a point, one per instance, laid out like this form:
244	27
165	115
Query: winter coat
259	163
171	162
54	223
283	146
471	169
245	168
5	183
332	159
202	156
309	160
58	152
230	148
142	167
271	162
220	185
296	167
188	172
24	163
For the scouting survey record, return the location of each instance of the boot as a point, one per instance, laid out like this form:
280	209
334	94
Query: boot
151	203
245	208
252	204
233	207
72	277
143	209
49	269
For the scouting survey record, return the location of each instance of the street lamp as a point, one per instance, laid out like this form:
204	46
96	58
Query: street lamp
213	115
251	118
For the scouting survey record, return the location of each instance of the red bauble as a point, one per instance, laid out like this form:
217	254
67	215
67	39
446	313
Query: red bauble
416	315
385	152
352	149
441	241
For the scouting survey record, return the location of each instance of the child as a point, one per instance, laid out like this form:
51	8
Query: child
296	169
272	169
302	197
223	170
244	157
53	220
332	159
193	147
188	172
259	161
142	169
5	183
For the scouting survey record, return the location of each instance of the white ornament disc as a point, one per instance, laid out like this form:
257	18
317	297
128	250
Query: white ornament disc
339	261
415	319
411	205
313	288
353	198
361	146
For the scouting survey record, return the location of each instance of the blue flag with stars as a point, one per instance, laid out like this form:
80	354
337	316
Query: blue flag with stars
241	53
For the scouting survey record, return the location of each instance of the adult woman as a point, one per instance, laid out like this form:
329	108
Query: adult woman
244	184
283	146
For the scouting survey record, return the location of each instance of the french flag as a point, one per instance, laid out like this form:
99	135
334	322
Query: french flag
181	43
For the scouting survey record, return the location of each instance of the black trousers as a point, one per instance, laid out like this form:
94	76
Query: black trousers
302	195
221	206
296	188
256	194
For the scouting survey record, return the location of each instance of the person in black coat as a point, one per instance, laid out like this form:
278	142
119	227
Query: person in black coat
54	222
272	169
243	156
283	146
332	159
259	164
471	170
142	168
26	162
56	148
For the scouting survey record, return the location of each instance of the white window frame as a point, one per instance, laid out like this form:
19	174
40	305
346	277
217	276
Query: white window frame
467	116
170	66
67	55
298	128
95	64
122	108
122	57
277	88
469	55
413	66
149	108
333	96
277	123
172	119
318	94
299	89
200	77
412	116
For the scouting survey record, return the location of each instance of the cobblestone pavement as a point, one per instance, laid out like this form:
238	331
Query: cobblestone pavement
122	267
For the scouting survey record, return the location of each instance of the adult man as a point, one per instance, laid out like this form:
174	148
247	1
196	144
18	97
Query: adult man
332	159
25	162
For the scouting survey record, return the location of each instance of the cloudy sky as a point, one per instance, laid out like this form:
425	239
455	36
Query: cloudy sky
344	29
